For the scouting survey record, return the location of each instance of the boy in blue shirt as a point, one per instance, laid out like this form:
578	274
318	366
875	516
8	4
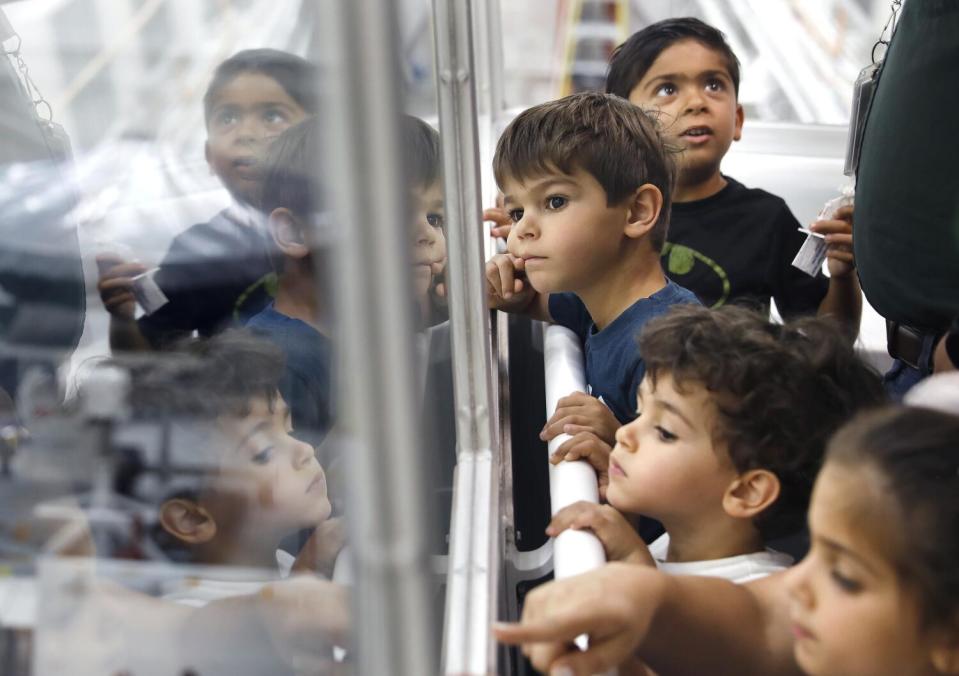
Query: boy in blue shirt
587	182
299	319
727	243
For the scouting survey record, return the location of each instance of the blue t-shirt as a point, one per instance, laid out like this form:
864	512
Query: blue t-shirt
614	367
306	382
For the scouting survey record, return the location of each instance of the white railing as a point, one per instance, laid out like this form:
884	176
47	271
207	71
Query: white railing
574	551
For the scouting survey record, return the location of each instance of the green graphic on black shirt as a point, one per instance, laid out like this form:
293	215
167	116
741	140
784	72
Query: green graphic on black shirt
680	260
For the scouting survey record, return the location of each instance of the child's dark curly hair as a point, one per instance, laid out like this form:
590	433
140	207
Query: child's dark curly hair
205	378
191	387
780	391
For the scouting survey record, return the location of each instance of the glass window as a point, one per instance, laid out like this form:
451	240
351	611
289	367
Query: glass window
226	391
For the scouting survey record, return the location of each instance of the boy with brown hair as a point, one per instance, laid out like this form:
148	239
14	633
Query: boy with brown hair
587	182
300	318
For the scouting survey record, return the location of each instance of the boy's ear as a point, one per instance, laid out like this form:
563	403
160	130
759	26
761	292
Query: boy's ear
288	233
187	521
644	207
750	493
740	117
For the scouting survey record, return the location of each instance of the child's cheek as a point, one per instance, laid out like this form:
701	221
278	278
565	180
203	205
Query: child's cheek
265	496
266	488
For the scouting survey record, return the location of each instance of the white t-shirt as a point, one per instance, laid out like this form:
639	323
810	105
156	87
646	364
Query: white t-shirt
199	591
738	569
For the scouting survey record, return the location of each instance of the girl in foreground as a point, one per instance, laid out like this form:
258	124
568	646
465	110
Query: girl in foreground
878	593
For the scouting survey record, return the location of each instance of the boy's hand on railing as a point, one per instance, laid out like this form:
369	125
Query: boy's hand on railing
579	412
585	445
838	233
507	288
619	538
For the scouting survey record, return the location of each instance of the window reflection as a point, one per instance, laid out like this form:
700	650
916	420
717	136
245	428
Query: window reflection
427	222
171	464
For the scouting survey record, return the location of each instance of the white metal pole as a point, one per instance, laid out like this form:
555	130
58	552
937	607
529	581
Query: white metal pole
471	581
394	619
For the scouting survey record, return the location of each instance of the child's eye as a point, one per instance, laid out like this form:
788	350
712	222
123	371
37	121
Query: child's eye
225	118
264	456
436	220
715	85
664	434
845	583
667	89
556	202
516	215
274	116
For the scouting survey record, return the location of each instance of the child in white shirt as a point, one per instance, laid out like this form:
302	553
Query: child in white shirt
733	418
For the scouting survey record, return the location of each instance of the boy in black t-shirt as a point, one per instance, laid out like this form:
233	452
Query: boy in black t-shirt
214	273
727	243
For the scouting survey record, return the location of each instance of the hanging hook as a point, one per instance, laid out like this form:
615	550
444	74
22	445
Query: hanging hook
879	43
43	104
889	28
40	104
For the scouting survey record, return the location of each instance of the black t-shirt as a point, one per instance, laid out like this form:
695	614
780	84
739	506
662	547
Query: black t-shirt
738	246
907	186
215	274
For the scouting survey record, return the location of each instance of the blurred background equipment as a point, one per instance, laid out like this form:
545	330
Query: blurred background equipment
41	279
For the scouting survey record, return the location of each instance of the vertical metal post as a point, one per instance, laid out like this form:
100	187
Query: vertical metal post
471	581
393	620
489	58
490	100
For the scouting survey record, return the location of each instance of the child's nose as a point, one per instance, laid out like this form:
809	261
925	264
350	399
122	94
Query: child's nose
798	584
250	129
303	454
624	437
423	234
695	101
524	228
